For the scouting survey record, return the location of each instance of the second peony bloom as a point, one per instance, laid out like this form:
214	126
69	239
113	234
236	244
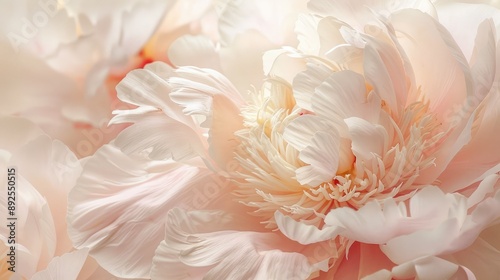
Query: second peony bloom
371	151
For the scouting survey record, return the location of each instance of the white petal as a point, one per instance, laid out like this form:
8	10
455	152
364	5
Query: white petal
485	187
53	179
268	19
208	93
196	51
343	95
193	89
242	61
332	37
135	194
300	131
384	70
36	238
360	13
379	222
439	57
368	140
135	21
431	268
278	63
207	244
464	32
455	233
306	82
65	267
160	138
306	30
322	155
303	233
149	87
379	275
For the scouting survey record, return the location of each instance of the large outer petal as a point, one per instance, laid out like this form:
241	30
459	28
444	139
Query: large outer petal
208	93
52	170
249	28
361	12
453	234
194	102
376	222
464	31
159	137
219	245
433	53
34	219
477	157
46	171
318	144
135	194
343	95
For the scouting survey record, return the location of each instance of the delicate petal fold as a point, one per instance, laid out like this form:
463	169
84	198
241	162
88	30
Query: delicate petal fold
322	155
208	93
433	54
210	242
453	234
303	233
65	267
343	95
160	138
34	219
305	83
135	194
368	140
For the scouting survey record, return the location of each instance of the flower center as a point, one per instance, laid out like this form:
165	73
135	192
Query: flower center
268	182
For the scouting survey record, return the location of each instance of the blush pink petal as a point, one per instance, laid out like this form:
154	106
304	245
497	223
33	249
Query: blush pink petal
434	54
147	135
67	266
305	83
343	95
361	11
136	195
476	157
464	32
217	243
455	233
46	171
191	102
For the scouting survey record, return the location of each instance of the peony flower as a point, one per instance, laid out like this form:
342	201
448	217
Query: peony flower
353	160
42	171
73	53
